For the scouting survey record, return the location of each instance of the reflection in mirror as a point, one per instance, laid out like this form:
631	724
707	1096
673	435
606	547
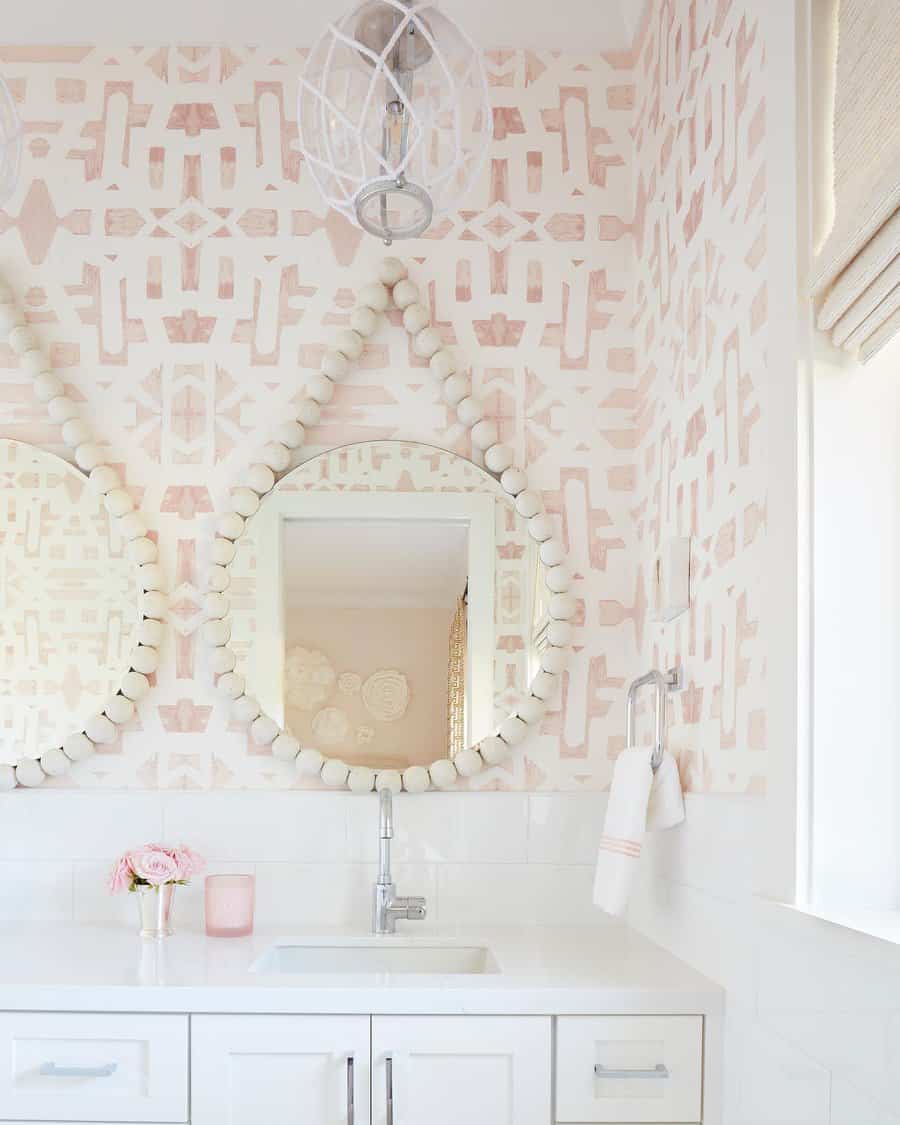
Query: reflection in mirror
385	604
69	602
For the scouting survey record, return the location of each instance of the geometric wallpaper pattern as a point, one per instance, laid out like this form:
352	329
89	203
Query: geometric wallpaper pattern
178	264
700	334
68	602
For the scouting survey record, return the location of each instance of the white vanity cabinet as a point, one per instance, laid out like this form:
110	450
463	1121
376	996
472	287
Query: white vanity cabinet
280	1070
342	1069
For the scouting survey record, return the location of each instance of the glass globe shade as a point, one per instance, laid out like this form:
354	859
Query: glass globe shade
394	116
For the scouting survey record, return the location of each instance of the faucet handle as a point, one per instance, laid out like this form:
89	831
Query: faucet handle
415	908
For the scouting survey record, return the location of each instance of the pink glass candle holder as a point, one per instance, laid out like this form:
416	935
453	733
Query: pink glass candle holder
229	905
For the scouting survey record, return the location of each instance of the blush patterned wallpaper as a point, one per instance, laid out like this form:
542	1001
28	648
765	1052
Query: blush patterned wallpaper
701	341
606	282
180	265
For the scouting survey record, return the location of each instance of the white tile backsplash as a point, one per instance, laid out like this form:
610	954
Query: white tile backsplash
445	828
565	828
92	901
254	826
503	894
75	825
40	891
479	858
311	894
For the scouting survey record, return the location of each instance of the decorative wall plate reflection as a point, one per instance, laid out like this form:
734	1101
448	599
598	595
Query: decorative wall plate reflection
386	695
143	621
394	286
308	678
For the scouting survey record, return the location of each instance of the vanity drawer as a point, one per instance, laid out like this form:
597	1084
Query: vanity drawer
629	1068
99	1068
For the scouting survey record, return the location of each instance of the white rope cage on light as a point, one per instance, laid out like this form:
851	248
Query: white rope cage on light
10	143
394	115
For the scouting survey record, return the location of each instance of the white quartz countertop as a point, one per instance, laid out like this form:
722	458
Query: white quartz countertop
542	970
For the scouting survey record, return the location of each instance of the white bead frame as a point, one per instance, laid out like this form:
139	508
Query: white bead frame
391	285
88	456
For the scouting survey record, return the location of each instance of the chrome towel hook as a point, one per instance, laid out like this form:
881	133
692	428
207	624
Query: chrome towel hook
663	682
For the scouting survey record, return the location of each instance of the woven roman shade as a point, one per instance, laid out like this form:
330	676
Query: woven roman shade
856	272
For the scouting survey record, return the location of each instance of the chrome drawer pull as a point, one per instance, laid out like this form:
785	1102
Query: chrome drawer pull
51	1070
659	1071
389	1089
351	1093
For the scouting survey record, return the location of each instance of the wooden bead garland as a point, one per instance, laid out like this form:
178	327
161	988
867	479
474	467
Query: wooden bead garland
392	285
89	456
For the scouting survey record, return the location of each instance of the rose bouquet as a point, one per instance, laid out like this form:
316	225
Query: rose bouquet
154	865
153	872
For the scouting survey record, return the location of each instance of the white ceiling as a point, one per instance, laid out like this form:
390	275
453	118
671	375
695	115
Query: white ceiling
374	564
569	25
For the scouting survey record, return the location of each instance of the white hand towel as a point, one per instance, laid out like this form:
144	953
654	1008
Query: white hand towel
623	831
666	808
638	800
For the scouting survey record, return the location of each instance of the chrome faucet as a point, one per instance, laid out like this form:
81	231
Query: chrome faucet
387	905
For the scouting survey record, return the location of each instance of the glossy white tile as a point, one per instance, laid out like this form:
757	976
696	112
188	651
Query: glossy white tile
36	892
256	826
444	828
565	827
515	894
92	901
781	1086
63	824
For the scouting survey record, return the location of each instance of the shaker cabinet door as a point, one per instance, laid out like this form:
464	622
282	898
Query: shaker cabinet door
443	1070
280	1070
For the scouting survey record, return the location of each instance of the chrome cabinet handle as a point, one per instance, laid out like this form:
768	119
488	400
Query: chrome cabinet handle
658	1071
351	1093
51	1070
389	1089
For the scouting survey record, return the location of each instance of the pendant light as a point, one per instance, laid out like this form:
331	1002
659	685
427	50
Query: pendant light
394	115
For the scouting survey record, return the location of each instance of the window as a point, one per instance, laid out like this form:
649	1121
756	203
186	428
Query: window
855	776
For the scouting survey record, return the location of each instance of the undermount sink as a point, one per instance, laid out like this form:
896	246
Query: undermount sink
374	956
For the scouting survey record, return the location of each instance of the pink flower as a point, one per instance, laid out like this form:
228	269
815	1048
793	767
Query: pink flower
189	862
153	865
121	875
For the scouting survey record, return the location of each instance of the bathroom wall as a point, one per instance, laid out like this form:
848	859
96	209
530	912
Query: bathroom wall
812	1008
175	258
700	322
186	277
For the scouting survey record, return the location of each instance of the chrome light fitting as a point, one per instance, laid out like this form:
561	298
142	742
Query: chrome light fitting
395	120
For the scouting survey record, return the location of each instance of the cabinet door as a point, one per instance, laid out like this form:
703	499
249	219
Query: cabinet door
443	1070
280	1070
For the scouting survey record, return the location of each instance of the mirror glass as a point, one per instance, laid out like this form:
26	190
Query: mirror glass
385	604
69	602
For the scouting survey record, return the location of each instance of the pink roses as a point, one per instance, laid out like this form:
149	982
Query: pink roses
152	866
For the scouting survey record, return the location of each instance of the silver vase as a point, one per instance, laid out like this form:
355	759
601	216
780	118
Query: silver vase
155	907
